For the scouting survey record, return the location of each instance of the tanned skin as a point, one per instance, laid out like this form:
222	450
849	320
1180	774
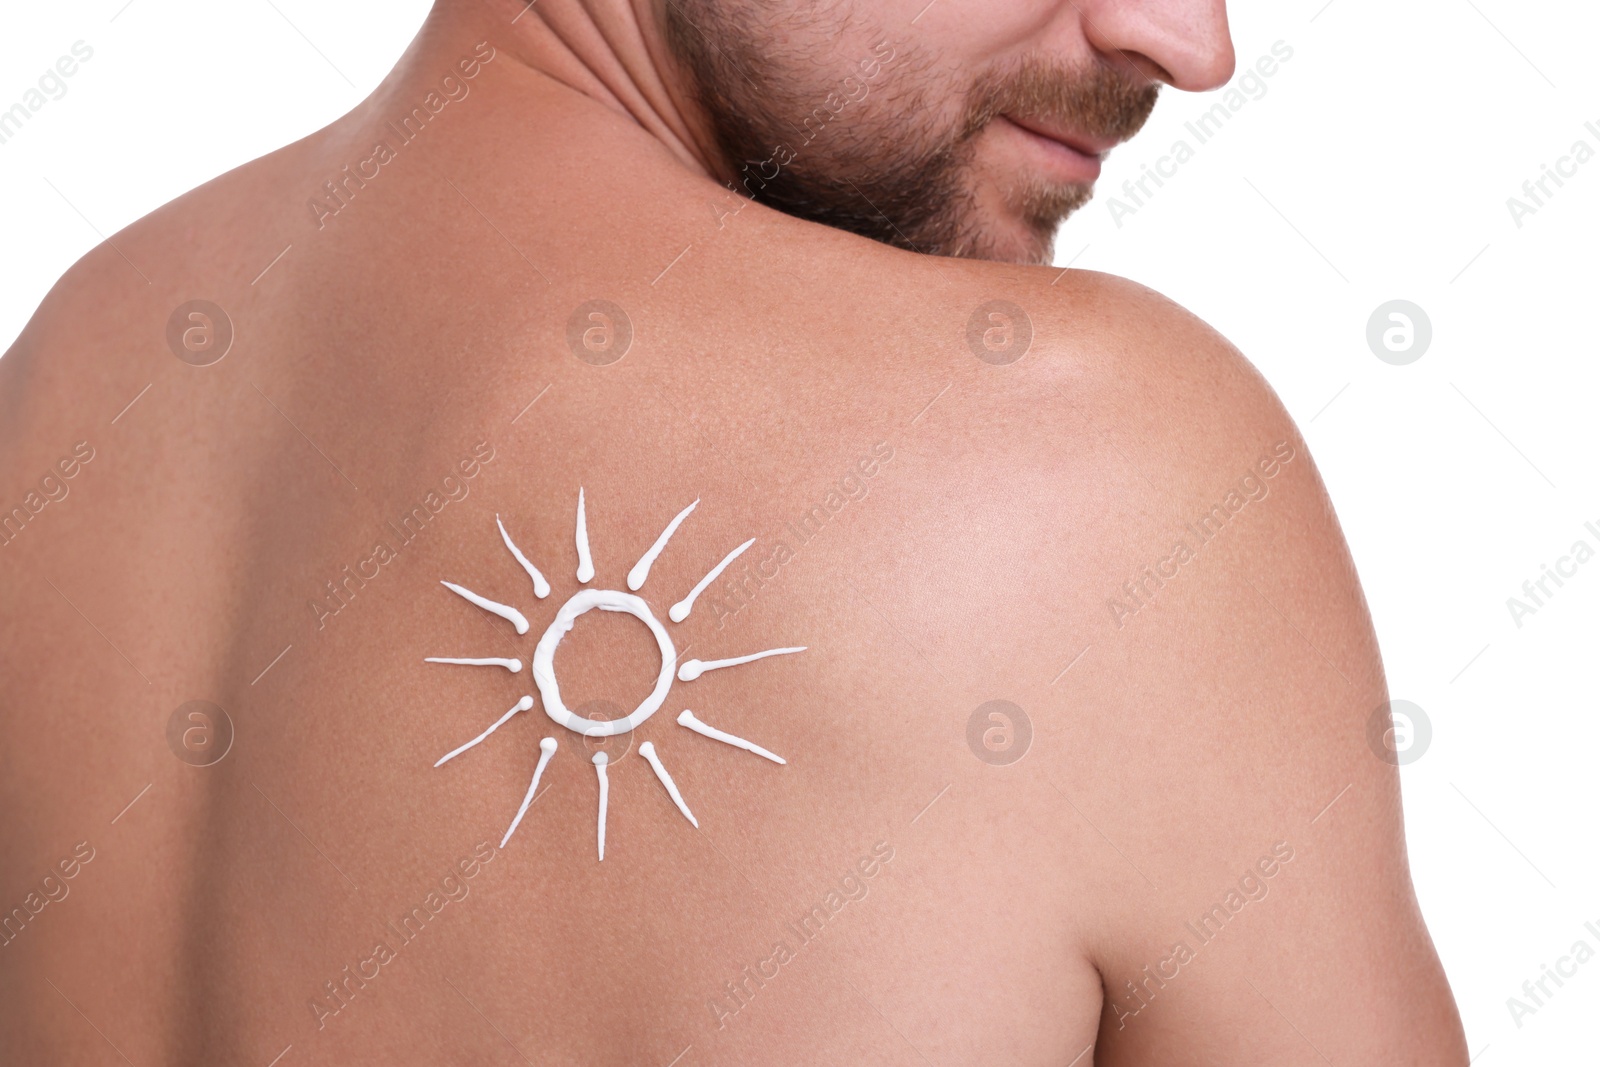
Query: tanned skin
1179	752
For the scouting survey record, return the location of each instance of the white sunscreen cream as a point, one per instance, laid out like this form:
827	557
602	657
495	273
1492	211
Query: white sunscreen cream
522	705
505	611
541	588
544	657
641	570
648	751
694	668
547	748
681	609
585	564
512	665
686	718
542	665
600	760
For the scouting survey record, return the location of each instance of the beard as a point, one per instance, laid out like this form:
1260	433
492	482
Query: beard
867	152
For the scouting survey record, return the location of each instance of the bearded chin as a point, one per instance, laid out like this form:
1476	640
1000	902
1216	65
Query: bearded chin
868	183
886	167
1043	207
922	202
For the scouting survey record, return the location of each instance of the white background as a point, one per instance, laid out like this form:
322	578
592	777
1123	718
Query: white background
1376	166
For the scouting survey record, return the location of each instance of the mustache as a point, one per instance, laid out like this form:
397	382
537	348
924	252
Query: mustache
1093	99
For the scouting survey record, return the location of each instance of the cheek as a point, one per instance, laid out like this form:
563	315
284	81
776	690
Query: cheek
972	35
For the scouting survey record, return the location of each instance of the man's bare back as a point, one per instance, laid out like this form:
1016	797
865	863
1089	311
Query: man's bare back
967	483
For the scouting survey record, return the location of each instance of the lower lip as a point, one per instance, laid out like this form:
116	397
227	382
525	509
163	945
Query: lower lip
1067	163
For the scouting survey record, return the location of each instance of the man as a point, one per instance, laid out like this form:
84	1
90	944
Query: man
1075	757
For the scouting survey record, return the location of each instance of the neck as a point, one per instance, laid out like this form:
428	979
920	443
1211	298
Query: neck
612	51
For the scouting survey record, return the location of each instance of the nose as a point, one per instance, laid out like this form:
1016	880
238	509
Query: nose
1184	43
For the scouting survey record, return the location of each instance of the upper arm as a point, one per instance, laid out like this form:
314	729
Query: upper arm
1226	710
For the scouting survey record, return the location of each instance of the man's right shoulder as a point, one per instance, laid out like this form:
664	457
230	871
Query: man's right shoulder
1034	348
1116	527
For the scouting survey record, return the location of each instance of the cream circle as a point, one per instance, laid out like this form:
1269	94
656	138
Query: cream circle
544	658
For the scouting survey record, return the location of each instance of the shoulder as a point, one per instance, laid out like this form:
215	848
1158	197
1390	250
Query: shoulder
1163	581
118	316
1147	370
1135	481
203	243
1111	410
